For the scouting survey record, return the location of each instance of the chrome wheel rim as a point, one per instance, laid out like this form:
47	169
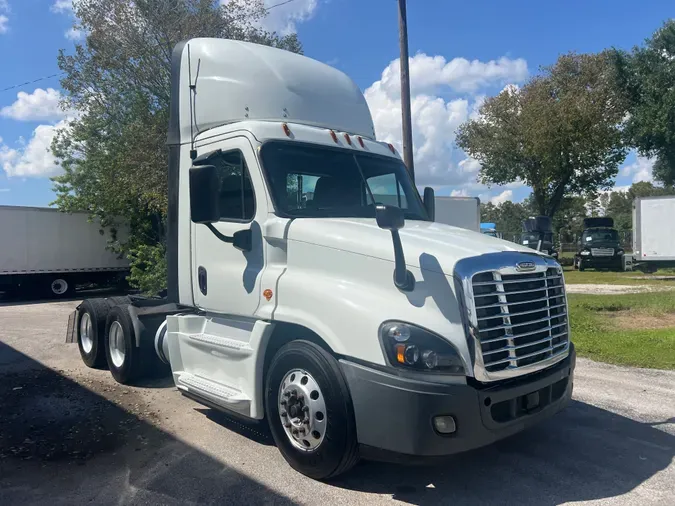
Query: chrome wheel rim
59	286
116	344
302	410
86	337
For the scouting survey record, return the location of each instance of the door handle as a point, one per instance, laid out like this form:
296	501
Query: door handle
201	279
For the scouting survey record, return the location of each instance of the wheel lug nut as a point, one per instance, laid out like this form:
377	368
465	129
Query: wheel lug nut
295	432
287	394
284	414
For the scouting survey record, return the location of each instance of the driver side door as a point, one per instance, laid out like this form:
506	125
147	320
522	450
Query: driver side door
226	280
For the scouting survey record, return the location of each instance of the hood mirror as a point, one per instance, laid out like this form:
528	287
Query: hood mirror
430	202
391	218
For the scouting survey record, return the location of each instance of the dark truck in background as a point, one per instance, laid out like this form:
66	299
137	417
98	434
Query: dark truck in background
538	234
599	246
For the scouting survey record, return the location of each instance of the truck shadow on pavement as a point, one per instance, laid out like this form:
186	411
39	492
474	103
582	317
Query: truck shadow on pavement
61	443
584	453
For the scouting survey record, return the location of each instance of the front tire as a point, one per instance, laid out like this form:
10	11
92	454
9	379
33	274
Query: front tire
582	267
328	446
122	354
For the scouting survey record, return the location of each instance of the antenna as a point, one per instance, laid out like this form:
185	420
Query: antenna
193	103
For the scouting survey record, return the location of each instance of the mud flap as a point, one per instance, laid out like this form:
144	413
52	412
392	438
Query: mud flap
73	322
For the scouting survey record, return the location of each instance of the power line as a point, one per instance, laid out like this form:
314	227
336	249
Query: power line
33	81
279	4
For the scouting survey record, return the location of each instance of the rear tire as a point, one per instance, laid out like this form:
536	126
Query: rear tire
90	331
337	452
122	354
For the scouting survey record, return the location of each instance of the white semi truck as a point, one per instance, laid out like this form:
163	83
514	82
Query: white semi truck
47	252
353	327
653	239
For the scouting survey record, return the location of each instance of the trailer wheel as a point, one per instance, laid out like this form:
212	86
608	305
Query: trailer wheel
124	357
90	332
310	412
60	287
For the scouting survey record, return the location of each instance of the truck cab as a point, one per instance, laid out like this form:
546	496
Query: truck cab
538	234
310	287
599	246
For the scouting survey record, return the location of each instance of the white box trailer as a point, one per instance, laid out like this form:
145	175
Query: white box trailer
462	212
653	231
44	250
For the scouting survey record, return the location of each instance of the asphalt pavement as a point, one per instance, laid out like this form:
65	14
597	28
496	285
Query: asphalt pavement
71	435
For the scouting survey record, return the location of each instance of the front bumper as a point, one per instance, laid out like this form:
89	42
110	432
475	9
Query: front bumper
394	414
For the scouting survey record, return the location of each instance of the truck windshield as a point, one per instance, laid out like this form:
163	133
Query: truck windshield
600	235
319	182
533	238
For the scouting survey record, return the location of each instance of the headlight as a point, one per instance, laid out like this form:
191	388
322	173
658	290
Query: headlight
585	253
554	254
414	348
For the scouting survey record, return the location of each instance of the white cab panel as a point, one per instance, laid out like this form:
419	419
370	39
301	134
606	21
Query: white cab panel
232	275
219	359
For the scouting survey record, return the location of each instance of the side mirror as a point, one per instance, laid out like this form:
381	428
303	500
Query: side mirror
430	202
204	193
389	217
243	240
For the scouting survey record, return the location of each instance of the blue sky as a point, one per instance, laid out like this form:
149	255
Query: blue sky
461	52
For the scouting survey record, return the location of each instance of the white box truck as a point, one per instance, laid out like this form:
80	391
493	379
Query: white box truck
48	252
462	212
653	238
354	327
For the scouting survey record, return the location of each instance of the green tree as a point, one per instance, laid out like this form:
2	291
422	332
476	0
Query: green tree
117	83
507	217
647	77
560	133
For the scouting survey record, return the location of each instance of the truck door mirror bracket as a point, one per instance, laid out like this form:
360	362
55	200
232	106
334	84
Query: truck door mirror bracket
241	239
391	218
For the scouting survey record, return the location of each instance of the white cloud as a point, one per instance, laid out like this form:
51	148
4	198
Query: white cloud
33	159
459	193
4	20
61	6
639	170
4	190
74	34
438	162
429	73
502	197
41	105
283	15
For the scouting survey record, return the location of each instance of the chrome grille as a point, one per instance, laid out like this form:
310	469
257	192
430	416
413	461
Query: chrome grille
602	252
518	320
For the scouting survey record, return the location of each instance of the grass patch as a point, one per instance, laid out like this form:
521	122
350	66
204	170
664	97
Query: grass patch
598	334
619	278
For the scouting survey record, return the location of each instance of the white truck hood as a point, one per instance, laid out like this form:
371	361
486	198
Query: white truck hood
420	240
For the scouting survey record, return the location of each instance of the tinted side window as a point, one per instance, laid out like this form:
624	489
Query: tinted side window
237	201
387	190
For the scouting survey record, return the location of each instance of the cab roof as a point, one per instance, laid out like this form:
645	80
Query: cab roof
221	81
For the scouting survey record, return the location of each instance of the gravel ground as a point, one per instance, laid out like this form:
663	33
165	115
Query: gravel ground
70	435
601	289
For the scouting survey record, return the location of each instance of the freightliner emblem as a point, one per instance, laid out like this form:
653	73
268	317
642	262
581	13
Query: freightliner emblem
525	266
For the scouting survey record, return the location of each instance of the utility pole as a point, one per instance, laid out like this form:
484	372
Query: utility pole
405	89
